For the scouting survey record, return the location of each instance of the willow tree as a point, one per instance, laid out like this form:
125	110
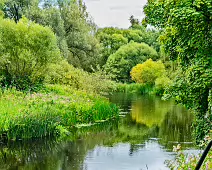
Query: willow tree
187	38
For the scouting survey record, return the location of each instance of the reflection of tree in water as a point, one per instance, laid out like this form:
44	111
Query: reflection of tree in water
153	118
150	110
52	154
176	127
150	118
123	100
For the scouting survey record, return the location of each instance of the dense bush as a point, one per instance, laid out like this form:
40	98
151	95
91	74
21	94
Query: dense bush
66	74
26	49
148	72
122	61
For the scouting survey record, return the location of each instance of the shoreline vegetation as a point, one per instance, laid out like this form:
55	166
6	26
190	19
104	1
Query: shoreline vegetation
51	112
56	64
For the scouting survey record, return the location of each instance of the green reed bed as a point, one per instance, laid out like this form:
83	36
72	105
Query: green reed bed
50	112
135	88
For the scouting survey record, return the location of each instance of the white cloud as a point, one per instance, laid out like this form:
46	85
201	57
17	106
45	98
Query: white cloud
115	12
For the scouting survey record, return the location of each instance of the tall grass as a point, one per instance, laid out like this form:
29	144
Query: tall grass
45	114
135	88
140	89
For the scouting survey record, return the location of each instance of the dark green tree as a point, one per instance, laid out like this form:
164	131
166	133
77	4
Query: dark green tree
187	38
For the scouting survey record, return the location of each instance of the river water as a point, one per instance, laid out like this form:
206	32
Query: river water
141	140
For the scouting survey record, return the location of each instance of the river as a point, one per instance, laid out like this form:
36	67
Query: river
142	139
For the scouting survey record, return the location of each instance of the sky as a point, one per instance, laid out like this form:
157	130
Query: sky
115	13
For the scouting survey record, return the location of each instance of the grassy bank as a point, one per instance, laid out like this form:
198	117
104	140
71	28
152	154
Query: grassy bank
51	111
139	88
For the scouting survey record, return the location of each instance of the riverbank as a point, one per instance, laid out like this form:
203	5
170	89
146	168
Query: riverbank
51	111
139	89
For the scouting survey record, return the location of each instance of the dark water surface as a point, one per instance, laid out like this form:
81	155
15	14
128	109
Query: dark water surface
142	139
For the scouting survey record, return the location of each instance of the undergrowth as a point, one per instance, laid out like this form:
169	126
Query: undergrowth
52	111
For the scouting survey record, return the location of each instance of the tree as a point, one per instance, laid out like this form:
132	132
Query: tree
112	39
70	22
148	72
133	21
26	49
187	38
122	61
16	9
83	46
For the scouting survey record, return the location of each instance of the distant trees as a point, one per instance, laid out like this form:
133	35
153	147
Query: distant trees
111	39
126	57
69	21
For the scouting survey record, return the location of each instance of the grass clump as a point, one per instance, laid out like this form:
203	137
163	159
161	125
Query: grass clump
52	111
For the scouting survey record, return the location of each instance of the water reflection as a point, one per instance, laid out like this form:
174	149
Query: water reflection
142	139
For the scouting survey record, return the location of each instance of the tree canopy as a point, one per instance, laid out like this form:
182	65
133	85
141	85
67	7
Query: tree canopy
148	72
112	39
122	61
187	38
70	22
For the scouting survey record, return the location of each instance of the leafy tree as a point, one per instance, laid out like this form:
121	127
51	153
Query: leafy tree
148	72
111	43
187	38
26	49
83	46
70	22
122	61
112	39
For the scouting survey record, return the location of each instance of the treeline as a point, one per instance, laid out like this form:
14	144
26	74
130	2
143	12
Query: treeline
69	21
43	36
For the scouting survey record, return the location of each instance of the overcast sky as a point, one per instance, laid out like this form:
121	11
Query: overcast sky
115	13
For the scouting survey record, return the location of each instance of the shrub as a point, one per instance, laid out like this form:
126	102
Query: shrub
161	84
148	72
66	74
126	57
26	49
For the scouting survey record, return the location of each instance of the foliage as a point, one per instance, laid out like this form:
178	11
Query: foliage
148	72
26	49
70	22
110	42
187	38
15	9
112	39
120	63
84	47
66	74
42	114
161	84
135	88
185	161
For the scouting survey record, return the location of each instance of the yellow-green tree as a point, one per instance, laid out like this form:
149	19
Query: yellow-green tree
148	72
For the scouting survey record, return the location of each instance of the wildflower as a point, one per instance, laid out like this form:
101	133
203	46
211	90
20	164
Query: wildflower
177	148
